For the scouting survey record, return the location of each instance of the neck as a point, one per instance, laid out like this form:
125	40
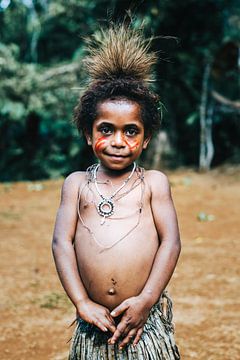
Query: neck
115	173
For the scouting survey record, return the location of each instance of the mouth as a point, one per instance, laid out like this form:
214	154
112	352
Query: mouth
118	156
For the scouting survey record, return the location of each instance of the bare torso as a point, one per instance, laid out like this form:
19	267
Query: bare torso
115	256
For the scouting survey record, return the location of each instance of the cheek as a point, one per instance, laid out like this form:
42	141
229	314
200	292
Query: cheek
100	143
133	145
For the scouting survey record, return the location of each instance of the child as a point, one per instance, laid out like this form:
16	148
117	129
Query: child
116	239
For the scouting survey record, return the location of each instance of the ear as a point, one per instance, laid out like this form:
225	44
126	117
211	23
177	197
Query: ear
146	141
88	138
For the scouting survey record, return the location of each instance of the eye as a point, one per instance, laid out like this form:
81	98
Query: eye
131	131
105	130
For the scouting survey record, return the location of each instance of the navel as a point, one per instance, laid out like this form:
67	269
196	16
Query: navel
111	291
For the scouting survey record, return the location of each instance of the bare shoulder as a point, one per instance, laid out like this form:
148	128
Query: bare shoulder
72	183
158	183
74	179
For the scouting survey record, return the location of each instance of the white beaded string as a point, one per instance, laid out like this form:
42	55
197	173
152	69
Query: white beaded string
116	191
106	207
104	247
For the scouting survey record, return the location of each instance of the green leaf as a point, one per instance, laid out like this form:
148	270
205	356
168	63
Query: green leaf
191	119
14	110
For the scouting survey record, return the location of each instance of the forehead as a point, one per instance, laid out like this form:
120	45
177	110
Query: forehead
115	109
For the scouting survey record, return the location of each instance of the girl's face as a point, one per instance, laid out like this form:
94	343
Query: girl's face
118	134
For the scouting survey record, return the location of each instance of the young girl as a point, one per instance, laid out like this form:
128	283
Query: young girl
116	240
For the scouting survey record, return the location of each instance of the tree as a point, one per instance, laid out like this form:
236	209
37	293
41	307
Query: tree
41	77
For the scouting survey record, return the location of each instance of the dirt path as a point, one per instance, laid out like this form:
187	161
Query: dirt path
35	313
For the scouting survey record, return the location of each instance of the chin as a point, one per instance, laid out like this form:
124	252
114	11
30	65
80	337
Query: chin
117	164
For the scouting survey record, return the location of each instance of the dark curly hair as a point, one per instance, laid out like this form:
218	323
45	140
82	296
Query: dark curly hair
130	89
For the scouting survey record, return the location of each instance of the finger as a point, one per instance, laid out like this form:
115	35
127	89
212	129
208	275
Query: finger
118	332
100	325
122	329
111	320
138	336
108	323
115	337
132	333
120	309
111	327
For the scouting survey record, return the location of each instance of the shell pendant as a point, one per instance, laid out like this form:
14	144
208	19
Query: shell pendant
105	208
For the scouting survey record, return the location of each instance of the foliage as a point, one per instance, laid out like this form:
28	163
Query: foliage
41	50
35	109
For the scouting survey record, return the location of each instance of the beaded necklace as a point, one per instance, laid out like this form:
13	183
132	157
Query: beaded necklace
137	182
105	207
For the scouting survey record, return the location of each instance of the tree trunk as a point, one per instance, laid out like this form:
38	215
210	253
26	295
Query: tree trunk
209	142
206	118
159	147
34	24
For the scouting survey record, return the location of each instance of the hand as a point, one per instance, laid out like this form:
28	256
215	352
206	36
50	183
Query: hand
135	312
96	314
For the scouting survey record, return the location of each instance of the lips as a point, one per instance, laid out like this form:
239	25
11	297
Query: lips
117	156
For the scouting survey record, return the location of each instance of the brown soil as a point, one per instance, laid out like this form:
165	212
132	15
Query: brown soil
35	313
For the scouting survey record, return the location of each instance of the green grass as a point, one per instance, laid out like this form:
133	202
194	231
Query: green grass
55	300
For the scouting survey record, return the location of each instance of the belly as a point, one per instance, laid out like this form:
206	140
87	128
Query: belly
115	274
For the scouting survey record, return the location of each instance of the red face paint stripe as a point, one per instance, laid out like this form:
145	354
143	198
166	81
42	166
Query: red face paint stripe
99	145
100	142
133	146
101	138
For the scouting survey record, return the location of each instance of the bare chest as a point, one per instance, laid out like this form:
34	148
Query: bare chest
130	211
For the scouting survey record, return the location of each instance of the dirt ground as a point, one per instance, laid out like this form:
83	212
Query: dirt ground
35	313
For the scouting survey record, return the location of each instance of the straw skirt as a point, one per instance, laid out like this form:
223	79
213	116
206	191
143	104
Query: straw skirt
156	343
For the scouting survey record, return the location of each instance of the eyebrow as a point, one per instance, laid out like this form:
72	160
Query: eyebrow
102	123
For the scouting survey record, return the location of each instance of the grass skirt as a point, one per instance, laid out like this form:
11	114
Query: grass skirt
156	343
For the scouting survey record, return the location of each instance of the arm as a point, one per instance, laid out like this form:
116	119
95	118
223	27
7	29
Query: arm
167	227
65	259
136	309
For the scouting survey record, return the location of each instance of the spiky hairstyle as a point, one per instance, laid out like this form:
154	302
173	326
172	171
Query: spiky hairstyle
119	65
120	52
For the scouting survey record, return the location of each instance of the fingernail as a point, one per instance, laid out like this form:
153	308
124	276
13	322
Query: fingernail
120	347
113	313
105	329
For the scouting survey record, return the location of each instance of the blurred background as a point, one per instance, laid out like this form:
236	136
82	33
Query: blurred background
41	77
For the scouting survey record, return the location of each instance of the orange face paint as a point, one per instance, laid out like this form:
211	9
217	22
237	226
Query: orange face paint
101	142
132	146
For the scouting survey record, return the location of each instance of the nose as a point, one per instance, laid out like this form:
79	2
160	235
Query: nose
118	140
